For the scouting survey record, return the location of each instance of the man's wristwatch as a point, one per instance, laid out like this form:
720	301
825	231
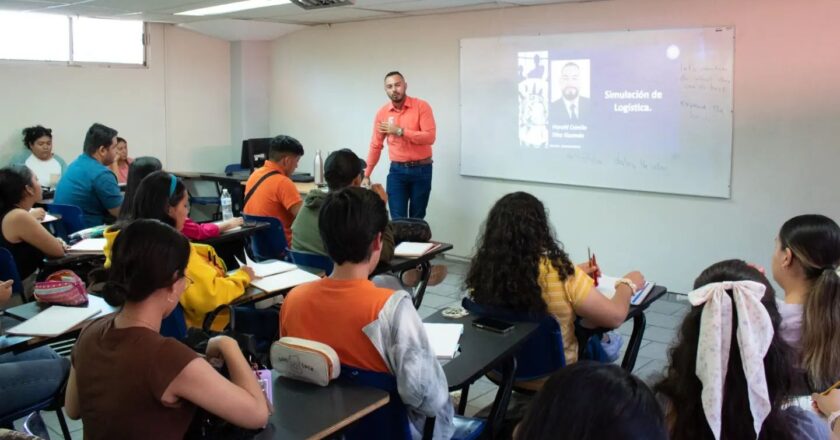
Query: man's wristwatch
399	131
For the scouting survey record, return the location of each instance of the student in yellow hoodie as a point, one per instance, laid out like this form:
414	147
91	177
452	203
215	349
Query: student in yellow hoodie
162	196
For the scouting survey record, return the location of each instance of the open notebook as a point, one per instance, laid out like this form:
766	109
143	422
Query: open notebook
606	285
414	249
444	338
284	280
266	268
57	320
89	246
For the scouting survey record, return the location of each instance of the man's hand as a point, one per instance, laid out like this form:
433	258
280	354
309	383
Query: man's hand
387	128
380	191
366	182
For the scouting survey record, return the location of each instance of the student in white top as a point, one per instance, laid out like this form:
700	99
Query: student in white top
805	264
39	156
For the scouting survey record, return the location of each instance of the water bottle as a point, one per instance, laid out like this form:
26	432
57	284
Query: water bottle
227	205
318	168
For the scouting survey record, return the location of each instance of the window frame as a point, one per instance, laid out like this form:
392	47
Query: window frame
73	63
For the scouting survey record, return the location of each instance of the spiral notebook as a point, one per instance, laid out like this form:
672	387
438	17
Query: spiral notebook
606	285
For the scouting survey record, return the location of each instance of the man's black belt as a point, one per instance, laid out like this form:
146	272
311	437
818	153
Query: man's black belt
415	163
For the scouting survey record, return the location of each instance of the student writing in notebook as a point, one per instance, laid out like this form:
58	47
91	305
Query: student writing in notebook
129	382
519	265
805	264
163	197
142	167
371	328
730	372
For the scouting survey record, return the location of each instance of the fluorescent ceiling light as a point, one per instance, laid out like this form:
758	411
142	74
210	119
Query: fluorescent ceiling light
234	7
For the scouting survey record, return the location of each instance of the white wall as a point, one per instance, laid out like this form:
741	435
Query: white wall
327	84
250	67
177	109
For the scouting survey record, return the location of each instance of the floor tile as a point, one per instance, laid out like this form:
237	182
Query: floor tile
654	350
665	321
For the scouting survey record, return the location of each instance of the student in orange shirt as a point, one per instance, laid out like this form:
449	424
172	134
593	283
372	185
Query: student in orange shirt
370	328
269	191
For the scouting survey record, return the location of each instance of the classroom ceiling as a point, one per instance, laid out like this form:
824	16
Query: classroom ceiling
163	10
258	24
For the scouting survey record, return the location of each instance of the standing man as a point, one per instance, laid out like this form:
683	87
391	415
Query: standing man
409	126
88	183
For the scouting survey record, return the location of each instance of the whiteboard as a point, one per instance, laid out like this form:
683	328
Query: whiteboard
635	110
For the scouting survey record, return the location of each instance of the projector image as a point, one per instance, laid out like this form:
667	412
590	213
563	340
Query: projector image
320	4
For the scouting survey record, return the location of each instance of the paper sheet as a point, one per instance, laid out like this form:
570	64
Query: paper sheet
284	280
57	320
413	249
444	338
266	268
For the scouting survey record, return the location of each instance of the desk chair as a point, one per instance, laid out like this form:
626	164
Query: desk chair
200	195
391	421
310	259
72	219
9	271
233	168
270	243
540	356
54	403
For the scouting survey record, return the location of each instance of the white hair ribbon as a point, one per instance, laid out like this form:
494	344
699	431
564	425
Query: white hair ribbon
754	333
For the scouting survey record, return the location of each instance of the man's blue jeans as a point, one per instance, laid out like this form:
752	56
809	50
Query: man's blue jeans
30	377
408	190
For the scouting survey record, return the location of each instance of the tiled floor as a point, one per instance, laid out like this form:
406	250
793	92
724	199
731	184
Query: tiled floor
663	318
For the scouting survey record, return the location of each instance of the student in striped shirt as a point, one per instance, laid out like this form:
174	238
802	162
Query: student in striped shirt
522	267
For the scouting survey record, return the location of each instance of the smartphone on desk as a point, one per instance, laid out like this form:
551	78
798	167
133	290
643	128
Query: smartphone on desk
493	325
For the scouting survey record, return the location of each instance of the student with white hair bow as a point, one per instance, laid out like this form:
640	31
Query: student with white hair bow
730	373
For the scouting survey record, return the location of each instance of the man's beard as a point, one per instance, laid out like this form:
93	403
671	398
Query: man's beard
570	93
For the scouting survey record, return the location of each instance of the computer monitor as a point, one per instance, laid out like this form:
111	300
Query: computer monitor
254	152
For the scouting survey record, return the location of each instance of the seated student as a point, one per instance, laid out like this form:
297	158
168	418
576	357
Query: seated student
163	197
343	168
128	381
269	191
522	267
38	156
121	161
88	183
730	373
26	238
371	328
29	377
805	265
142	167
571	405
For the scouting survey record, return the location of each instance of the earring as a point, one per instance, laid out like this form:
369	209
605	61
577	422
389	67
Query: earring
169	299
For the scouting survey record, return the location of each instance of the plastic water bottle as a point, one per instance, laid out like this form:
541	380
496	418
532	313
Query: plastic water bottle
318	168
227	205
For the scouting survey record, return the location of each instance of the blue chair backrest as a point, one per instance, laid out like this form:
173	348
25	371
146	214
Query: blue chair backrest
9	271
71	216
388	422
174	325
542	354
310	259
270	243
233	168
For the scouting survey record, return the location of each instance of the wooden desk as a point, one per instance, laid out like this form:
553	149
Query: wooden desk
482	351
306	411
26	311
304	187
422	263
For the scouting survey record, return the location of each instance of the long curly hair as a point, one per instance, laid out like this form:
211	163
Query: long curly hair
683	389
505	270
